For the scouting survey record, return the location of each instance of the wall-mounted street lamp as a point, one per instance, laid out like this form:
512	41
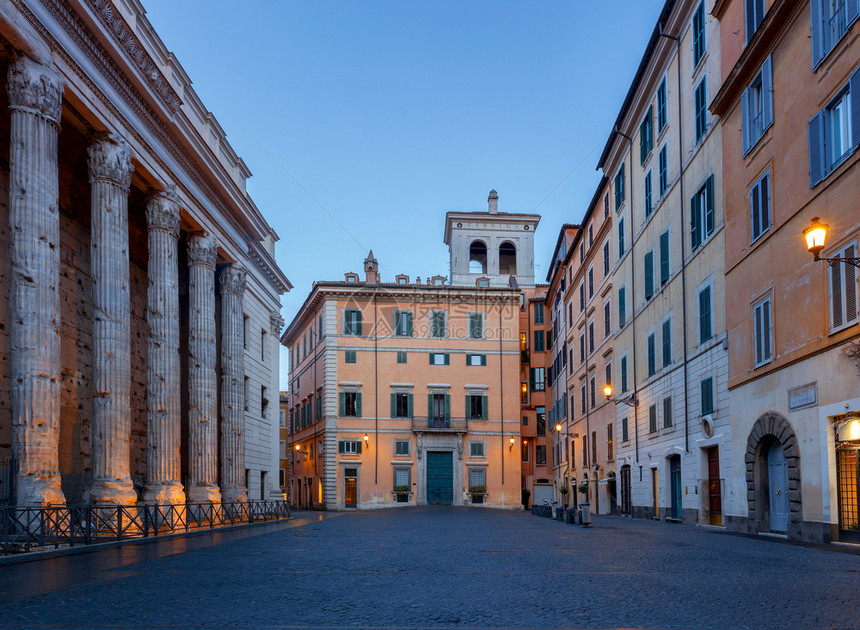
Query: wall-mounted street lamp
366	441
298	447
815	236
513	441
558	429
630	401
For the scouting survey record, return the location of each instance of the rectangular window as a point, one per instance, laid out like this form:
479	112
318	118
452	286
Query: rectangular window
540	455
524	398
401	447
664	170
702	213
438	324
661	106
664	257
607	322
592	397
478	479
760	207
263	345
698	34
707	393
349	447
620	238
649	275
590	282
582	347
667	342
607	374
762	332
525	451
701	106
590	235
622	307
476	325
402	477
609	436
705	331
539	341
605	258
476	449
350	404
619	188
583	397
402	323
401	405
349	356
439	358
476	407
834	132
624	374
646	136
754	14
476	360
667	412
605	205
538	379
652	419
843	290
625	435
352	322
538	309
585	450
757	107
594	447
401	356
648	206
831	19
652	354
591	336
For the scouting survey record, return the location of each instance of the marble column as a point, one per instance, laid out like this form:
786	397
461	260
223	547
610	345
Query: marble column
35	98
202	374
233	488
110	178
162	369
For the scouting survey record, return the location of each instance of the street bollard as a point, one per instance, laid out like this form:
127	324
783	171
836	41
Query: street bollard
586	515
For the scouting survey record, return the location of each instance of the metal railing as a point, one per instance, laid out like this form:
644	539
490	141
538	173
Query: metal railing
440	423
24	529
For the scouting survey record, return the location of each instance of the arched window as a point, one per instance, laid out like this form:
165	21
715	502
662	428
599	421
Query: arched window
507	259
477	257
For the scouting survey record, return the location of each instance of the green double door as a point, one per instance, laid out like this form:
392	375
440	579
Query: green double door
440	478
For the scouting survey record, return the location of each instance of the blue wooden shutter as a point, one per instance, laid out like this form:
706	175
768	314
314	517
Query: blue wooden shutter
817	33
745	120
816	149
649	275
767	94
358	405
709	209
854	88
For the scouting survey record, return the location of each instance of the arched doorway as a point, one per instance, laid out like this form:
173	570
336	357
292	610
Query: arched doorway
611	491
773	477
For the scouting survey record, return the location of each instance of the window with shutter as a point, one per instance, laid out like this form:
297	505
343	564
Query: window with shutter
667	342
701	105
649	275
754	14
624	434
619	188
652	419
646	136
843	290
664	170
705	332
762	332
707	395
757	107
624	373
605	258
661	106
760	206
667	412
652	354
664	257
622	307
607	322
620	238
476	325
648	205
830	20
699	34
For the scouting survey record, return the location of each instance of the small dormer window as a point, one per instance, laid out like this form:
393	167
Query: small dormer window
483	282
351	277
438	281
402	279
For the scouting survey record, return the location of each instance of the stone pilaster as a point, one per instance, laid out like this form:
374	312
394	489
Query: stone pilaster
35	98
162	369
202	374
110	178
233	488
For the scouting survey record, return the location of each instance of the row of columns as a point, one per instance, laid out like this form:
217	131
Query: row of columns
35	99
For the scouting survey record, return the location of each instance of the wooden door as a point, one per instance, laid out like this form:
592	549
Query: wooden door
350	488
675	483
715	498
777	473
440	478
625	489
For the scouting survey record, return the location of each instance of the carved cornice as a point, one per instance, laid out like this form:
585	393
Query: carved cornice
110	159
202	250
162	211
35	88
116	26
233	279
276	322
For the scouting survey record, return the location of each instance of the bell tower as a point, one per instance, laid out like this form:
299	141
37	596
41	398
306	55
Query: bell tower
371	269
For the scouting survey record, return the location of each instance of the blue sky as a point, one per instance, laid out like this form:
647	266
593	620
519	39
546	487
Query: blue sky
364	122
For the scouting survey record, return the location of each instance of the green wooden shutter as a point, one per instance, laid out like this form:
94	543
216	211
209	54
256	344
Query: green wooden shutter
468	407
409	405
341	404
622	306
408	324
358	405
358	447
429	405
664	257
485	409
484	359
393	405
709	210
344	322
649	275
447	359
532	379
695	237
447	407
431	358
340	447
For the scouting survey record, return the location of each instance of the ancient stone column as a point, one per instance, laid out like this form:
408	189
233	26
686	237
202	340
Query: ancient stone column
110	178
35	98
202	375
233	488
162	369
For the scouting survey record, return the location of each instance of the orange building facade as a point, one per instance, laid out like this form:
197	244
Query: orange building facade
791	128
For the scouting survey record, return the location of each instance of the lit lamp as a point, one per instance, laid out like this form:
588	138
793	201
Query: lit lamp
815	236
558	427
298	447
513	441
366	440
630	401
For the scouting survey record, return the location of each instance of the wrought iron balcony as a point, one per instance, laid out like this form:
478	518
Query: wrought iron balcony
440	424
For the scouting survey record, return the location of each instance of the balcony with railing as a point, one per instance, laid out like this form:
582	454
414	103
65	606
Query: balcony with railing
440	424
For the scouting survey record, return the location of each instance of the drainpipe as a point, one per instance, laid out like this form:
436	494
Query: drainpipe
501	392
375	391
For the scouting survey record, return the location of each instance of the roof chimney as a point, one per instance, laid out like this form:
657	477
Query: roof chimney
494	202
371	268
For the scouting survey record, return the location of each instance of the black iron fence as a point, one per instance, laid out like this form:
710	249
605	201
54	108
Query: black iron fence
24	529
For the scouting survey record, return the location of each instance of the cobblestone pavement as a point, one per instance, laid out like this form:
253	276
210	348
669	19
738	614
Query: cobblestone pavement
442	567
